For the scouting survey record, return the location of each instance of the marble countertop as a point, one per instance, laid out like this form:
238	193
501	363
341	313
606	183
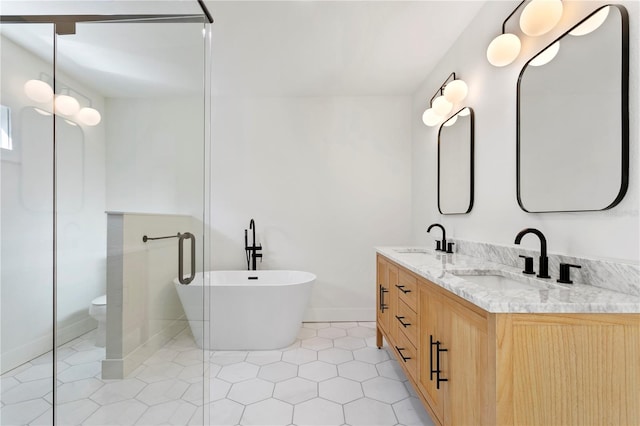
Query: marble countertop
456	272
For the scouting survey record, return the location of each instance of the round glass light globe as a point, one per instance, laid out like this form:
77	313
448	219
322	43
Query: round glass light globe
430	118
540	16
89	116
451	121
66	105
546	55
592	23
38	90
442	106
456	91
464	112
503	50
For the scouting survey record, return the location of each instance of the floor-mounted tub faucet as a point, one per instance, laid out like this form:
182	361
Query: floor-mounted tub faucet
440	245
544	260
252	250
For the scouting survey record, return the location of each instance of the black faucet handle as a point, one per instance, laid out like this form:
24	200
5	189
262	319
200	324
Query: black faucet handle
528	265
565	273
450	247
438	245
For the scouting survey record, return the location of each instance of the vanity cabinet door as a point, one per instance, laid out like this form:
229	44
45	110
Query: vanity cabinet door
430	316
569	369
462	397
465	365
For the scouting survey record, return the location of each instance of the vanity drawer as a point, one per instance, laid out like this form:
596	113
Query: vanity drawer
407	322
408	290
407	354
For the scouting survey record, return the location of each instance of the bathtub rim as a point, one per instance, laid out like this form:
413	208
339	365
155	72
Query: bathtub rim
199	281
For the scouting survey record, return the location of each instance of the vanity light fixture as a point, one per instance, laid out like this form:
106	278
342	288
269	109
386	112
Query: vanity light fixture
441	103
40	91
538	18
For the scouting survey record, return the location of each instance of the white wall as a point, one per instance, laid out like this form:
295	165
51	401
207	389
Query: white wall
325	178
496	216
143	309
26	288
155	155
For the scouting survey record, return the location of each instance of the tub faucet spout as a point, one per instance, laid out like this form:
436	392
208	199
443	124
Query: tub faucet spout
252	251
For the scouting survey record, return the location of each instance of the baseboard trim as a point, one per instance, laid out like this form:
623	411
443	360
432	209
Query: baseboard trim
339	314
120	368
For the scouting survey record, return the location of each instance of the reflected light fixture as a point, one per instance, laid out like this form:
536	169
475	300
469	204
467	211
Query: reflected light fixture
38	90
546	55
540	16
89	116
537	18
592	23
66	105
441	103
464	112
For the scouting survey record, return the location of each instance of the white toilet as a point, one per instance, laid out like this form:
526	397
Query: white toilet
98	311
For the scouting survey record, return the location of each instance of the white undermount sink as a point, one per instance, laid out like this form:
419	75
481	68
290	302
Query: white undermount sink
411	250
500	282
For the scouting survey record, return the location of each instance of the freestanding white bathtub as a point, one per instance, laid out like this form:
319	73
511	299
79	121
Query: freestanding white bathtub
246	310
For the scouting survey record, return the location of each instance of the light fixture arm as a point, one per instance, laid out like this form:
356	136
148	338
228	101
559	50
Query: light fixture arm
441	89
511	14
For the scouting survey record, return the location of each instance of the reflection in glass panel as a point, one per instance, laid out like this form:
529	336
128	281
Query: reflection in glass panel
5	128
137	171
128	161
26	232
455	163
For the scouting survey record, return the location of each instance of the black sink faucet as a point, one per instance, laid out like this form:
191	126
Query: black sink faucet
252	250
544	260
442	245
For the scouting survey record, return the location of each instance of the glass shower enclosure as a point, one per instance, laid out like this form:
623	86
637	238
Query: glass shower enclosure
104	195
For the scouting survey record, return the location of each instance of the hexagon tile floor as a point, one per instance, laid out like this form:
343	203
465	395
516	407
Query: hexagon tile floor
331	375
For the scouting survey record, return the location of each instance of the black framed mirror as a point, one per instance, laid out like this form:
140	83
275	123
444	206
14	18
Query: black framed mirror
573	118
455	163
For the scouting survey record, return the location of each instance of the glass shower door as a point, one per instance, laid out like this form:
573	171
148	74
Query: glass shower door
103	193
130	202
26	223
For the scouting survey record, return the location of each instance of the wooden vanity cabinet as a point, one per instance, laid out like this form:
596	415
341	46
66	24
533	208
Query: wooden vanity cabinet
399	322
454	349
510	369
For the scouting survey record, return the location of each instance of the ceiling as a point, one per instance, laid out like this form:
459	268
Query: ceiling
313	48
260	48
